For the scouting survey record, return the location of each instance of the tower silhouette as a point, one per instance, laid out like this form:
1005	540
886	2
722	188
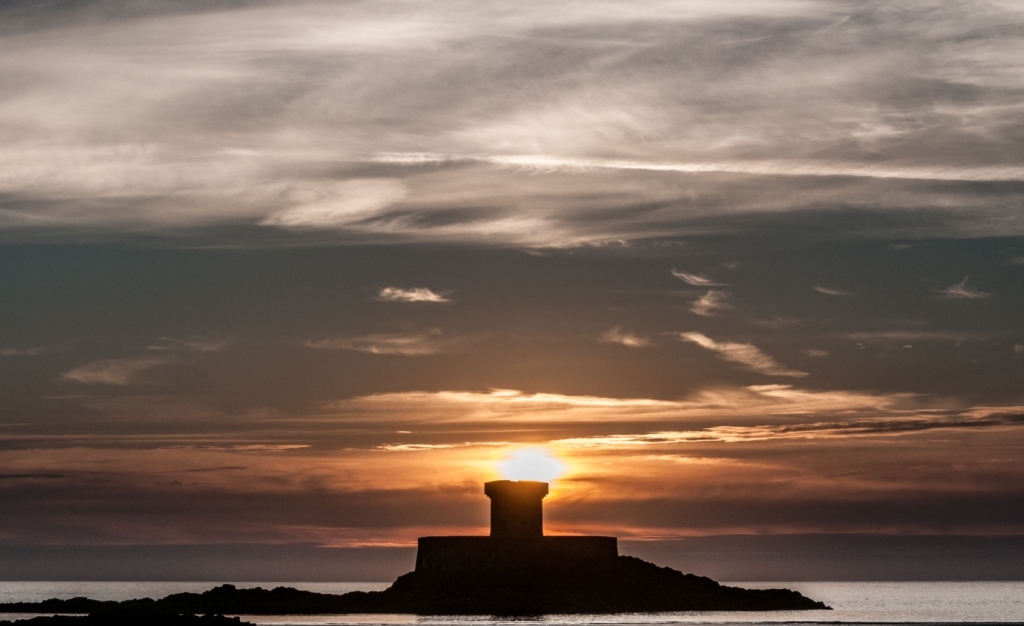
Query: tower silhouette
517	541
517	509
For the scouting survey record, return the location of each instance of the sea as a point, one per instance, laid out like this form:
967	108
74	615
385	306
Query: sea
852	603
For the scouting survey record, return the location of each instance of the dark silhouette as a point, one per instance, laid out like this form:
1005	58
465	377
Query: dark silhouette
129	619
519	570
516	543
516	570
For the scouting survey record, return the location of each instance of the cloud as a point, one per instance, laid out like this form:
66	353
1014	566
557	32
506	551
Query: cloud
813	430
433	411
960	291
223	468
917	335
339	204
258	113
248	447
742	353
773	167
404	344
717	445
122	372
169	344
465	420
32	351
416	447
416	294
832	292
1018	348
112	371
710	302
35	476
816	353
779	411
695	279
630	340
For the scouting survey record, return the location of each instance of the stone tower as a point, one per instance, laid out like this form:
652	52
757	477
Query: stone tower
517	541
517	511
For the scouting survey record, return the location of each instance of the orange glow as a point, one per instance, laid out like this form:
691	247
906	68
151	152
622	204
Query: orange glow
531	464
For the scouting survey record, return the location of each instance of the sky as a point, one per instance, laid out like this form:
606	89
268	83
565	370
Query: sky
283	283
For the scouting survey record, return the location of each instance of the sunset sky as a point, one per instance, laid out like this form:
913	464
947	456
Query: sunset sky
290	279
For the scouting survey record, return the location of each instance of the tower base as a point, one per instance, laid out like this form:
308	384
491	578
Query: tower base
489	554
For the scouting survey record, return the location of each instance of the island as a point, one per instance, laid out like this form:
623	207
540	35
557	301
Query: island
515	570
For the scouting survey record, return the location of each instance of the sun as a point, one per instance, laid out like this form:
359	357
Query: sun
531	464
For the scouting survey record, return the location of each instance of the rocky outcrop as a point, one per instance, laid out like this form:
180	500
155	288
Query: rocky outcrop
622	585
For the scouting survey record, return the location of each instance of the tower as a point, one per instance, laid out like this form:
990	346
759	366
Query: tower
517	510
516	543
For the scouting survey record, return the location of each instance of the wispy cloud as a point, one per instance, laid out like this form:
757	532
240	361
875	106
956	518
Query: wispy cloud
742	353
816	353
813	430
416	294
832	292
31	351
711	302
231	122
434	409
617	335
416	447
960	291
697	280
545	163
339	204
170	344
242	447
112	371
780	411
916	335
404	344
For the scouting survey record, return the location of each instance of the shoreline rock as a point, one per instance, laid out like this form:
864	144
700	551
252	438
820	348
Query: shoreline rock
624	585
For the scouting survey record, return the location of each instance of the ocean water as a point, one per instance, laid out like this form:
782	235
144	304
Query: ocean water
853	603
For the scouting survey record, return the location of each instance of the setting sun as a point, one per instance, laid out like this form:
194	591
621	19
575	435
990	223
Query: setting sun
531	464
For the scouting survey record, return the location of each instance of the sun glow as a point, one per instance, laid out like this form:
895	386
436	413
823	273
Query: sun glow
531	464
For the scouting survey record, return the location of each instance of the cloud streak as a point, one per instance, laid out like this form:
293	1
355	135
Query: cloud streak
400	344
170	344
745	354
832	292
416	294
697	280
338	204
814	430
630	340
710	303
32	351
545	414
544	163
960	291
117	372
